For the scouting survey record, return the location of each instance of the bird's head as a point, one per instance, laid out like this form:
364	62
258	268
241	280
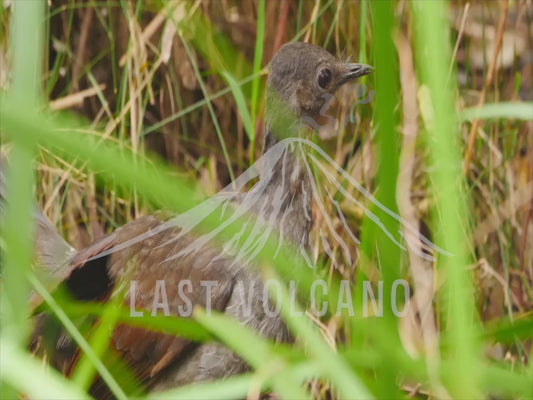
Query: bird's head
302	78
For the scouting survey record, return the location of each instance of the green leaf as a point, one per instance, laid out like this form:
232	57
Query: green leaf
27	375
79	339
256	351
433	57
238	95
505	110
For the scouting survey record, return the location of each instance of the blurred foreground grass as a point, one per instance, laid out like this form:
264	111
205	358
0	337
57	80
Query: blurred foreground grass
163	87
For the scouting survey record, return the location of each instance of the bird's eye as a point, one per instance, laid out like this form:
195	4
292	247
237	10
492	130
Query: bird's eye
324	78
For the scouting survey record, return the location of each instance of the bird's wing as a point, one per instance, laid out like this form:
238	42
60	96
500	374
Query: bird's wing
153	255
152	283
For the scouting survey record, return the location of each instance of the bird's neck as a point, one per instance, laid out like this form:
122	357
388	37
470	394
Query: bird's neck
288	187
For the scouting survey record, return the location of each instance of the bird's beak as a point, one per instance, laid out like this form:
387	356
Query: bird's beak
351	71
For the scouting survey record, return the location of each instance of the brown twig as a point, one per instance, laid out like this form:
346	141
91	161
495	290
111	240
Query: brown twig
312	20
282	25
79	60
75	99
488	82
421	270
459	37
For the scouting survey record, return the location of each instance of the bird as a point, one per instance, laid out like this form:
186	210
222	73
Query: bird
162	247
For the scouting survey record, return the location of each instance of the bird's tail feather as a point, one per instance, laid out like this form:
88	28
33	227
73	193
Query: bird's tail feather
52	251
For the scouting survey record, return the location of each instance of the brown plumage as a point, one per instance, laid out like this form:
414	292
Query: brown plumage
302	75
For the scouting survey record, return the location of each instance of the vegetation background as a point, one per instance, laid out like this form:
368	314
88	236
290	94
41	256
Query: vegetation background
115	109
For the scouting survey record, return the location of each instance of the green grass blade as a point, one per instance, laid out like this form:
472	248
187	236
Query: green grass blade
238	95
256	351
17	225
376	246
185	327
210	108
80	340
333	367
235	387
362	31
433	56
258	60
521	111
17	367
85	371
